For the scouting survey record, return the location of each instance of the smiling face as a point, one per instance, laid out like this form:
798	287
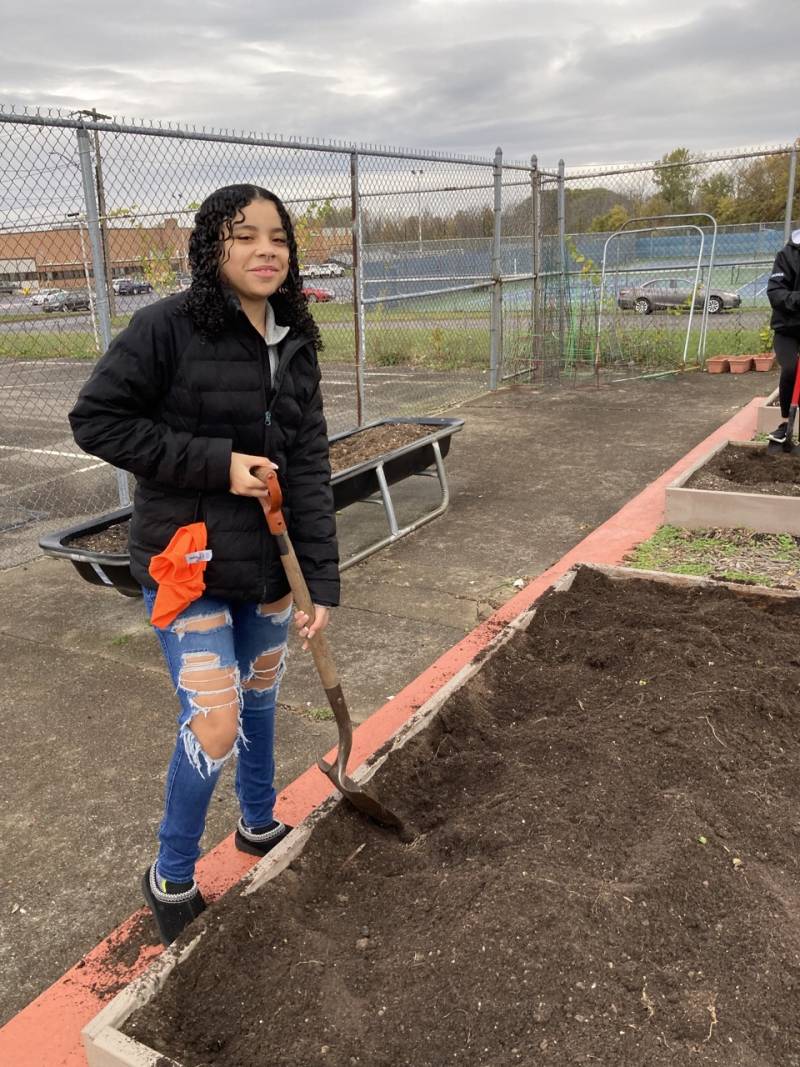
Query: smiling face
255	256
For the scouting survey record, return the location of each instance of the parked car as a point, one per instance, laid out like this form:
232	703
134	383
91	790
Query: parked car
321	270
315	295
131	286
40	297
10	287
658	293
327	270
73	300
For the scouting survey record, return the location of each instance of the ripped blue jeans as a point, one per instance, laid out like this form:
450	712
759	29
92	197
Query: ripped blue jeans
226	661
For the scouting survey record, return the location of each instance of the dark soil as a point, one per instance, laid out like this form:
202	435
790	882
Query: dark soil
364	445
113	540
124	950
606	870
375	441
735	469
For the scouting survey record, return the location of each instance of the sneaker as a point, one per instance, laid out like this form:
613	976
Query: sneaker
778	435
173	905
259	840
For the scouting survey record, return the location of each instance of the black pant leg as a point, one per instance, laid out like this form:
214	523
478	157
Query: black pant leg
786	352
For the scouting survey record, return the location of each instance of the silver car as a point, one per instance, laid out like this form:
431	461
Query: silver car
658	293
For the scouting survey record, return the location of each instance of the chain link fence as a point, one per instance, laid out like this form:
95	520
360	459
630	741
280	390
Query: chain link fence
95	218
434	278
651	267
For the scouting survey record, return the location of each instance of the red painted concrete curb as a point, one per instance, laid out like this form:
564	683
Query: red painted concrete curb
47	1032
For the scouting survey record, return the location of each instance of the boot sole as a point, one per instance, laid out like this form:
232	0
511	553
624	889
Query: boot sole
243	845
155	905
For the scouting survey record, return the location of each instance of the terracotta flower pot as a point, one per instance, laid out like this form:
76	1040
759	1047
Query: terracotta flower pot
764	360
717	364
740	364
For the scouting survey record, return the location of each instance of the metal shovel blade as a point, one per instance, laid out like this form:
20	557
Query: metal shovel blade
363	801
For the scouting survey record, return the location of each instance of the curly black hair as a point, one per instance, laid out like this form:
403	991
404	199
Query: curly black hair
213	224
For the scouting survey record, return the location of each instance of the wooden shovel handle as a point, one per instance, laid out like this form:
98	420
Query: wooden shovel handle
320	649
323	660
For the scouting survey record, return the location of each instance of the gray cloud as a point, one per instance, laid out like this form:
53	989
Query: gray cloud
602	81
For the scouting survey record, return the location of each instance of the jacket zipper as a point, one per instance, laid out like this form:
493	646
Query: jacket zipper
288	354
280	373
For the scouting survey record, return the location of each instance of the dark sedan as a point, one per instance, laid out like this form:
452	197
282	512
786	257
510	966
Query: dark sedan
659	293
74	300
131	287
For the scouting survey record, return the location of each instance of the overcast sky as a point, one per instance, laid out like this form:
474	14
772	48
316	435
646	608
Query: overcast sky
589	80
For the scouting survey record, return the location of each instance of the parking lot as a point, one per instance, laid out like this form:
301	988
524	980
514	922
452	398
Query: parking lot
37	318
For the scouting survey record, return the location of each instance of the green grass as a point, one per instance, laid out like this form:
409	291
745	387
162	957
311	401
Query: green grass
746	578
433	348
661	347
432	337
730	555
323	313
58	316
400	311
62	345
321	714
449	347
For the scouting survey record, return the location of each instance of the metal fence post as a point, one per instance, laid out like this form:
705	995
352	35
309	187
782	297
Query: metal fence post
358	290
787	221
98	268
496	329
562	252
536	258
94	114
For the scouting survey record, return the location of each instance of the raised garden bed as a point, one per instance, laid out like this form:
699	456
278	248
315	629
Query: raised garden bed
741	485
365	464
606	869
725	555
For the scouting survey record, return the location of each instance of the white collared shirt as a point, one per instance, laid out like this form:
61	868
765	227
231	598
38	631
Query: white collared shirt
273	335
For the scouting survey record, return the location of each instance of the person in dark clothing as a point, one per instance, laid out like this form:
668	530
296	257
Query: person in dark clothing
195	394
783	292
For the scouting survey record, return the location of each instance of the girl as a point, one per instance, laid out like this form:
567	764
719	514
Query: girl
199	390
783	291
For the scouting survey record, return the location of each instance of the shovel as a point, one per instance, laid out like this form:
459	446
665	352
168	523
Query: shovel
323	661
787	445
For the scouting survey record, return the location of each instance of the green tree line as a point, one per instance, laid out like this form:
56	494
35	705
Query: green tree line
735	191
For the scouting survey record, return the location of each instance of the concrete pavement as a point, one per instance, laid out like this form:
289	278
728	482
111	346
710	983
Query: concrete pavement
88	712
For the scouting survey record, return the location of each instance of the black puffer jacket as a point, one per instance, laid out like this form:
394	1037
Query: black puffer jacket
170	406
783	288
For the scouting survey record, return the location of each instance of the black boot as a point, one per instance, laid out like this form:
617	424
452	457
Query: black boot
173	906
259	840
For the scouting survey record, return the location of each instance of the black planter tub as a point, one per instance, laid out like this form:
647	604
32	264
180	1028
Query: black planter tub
370	480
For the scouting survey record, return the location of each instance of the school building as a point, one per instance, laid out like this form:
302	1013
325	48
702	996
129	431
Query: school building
61	257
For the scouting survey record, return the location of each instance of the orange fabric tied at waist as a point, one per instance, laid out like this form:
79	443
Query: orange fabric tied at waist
179	572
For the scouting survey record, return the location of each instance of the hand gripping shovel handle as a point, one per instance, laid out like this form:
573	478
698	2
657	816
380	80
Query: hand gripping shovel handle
320	649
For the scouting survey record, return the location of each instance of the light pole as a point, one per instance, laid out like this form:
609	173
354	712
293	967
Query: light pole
418	175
